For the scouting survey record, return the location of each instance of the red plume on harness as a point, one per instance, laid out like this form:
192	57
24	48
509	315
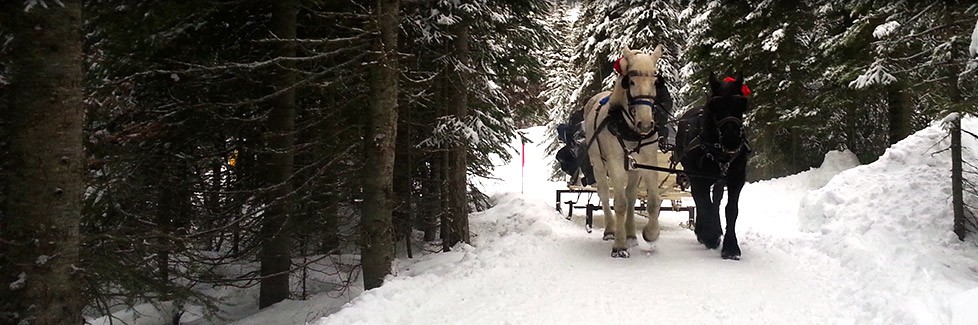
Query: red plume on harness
743	89
618	65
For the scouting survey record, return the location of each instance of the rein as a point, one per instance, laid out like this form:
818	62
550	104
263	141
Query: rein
620	114
608	119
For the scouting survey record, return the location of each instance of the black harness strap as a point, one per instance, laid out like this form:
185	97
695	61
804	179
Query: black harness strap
714	150
671	170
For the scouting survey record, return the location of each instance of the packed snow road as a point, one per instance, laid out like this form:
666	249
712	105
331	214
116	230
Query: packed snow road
841	243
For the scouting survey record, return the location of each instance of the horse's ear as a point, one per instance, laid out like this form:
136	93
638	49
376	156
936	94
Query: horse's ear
628	51
657	53
627	55
744	90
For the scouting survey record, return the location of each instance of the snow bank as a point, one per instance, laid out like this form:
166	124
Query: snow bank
889	224
761	214
144	314
513	226
963	311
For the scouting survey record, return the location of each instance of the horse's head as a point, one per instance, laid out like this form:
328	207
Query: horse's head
725	111
635	88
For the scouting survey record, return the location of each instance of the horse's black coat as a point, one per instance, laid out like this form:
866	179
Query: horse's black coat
711	141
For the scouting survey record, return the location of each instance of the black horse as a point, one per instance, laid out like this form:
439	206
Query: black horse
711	141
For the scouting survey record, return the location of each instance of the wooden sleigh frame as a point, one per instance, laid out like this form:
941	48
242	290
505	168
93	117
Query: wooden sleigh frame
669	190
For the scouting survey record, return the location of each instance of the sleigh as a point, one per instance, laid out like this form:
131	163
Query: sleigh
673	192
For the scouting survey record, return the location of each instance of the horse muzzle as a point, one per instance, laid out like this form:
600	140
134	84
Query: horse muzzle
645	128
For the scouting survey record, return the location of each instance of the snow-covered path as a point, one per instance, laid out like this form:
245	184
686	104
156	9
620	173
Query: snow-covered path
555	273
844	259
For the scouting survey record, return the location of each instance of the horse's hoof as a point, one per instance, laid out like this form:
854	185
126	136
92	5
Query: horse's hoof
608	236
710	242
631	241
730	252
650	238
619	253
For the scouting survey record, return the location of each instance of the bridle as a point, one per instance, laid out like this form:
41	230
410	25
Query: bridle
634	101
627	116
715	151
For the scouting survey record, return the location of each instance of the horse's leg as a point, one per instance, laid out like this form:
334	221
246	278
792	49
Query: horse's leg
619	177
652	203
601	182
731	249
718	193
708	221
634	177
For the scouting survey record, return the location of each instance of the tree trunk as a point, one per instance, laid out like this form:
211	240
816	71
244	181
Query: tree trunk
432	198
164	228
456	221
957	181
900	112
44	172
956	100
173	214
331	233
212	202
377	237
276	232
403	211
327	138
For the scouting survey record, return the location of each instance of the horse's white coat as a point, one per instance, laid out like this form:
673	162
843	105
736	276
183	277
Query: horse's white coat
608	157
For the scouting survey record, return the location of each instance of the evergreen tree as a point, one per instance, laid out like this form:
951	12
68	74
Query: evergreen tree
276	264
43	162
498	77
377	252
184	120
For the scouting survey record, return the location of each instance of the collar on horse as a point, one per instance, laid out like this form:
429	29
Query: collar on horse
615	122
618	125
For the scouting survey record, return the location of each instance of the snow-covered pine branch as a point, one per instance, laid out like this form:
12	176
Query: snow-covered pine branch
973	49
875	75
885	29
30	4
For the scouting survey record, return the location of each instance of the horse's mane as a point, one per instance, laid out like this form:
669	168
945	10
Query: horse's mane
618	95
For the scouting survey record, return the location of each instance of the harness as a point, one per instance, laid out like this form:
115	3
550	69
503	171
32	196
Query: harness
617	125
618	120
714	150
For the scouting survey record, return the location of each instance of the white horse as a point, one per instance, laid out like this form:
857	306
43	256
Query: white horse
622	120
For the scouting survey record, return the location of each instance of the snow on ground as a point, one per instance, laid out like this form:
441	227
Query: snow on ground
238	303
835	244
841	243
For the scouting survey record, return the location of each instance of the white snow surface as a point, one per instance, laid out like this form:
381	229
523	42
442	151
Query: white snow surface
841	243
